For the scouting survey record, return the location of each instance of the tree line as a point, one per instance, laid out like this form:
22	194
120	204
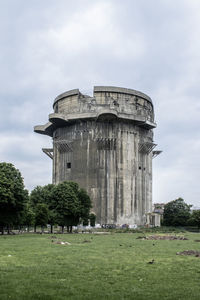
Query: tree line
178	213
64	204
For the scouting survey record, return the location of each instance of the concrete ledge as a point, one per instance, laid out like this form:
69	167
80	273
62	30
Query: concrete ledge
58	120
149	125
77	116
46	129
114	89
55	117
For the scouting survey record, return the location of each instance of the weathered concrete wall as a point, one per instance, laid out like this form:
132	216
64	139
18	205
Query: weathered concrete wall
105	144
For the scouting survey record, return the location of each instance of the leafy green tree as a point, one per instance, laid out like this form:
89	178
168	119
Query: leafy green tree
176	213
48	199
66	202
84	201
67	205
28	218
13	196
85	221
195	218
92	218
85	205
36	196
47	193
41	215
43	194
74	186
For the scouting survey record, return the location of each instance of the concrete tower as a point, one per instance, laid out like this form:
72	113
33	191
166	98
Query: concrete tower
105	143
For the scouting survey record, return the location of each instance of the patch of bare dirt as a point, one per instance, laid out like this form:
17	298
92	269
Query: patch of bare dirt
189	252
102	232
57	241
61	243
163	237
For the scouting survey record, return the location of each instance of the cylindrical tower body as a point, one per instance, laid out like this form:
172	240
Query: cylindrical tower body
104	143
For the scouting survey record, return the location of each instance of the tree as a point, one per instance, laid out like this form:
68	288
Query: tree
43	195
195	218
41	215
85	205
92	218
13	195
67	205
84	201
176	213
28	218
36	196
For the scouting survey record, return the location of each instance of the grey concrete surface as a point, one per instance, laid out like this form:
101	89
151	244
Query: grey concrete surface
105	144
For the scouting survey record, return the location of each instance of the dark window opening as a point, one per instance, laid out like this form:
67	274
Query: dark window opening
140	168
68	165
115	103
144	169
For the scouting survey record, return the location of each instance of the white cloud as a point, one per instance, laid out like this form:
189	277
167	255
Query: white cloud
24	151
153	46
86	41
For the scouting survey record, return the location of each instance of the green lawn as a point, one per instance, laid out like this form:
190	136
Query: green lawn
111	266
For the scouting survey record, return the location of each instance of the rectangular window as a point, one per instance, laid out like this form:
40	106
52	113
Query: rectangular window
68	165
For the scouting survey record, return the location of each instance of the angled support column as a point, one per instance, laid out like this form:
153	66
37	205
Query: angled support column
48	152
156	153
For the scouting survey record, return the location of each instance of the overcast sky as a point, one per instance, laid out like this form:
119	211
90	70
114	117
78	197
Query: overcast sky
48	47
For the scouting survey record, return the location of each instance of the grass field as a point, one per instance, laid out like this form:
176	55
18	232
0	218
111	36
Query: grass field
95	267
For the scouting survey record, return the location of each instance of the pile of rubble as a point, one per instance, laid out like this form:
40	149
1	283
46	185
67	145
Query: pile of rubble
189	252
57	241
61	243
162	237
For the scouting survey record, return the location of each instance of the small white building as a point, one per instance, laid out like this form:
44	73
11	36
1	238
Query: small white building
153	219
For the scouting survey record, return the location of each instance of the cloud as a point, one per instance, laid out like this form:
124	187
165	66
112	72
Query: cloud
24	151
89	39
49	47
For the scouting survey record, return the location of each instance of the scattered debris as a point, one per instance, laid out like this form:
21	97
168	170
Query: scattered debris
9	255
162	237
189	252
56	240
197	240
101	232
151	262
53	237
86	241
60	243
